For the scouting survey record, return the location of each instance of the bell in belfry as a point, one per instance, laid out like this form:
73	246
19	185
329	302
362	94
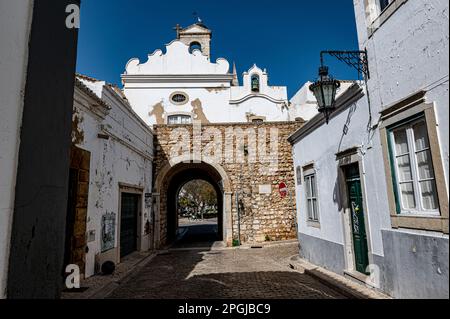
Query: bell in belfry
255	84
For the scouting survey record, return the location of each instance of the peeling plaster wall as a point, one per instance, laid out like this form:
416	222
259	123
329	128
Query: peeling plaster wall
123	159
15	21
214	98
149	86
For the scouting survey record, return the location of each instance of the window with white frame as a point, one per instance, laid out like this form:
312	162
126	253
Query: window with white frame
179	119
311	195
379	11
414	176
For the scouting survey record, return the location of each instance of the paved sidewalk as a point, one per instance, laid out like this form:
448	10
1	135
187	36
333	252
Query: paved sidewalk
208	270
348	287
98	286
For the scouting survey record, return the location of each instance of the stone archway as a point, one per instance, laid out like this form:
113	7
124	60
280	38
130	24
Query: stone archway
167	184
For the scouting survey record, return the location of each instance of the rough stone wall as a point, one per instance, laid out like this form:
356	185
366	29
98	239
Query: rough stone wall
263	216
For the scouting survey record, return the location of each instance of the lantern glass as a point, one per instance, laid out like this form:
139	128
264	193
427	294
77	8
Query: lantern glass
329	93
325	92
317	91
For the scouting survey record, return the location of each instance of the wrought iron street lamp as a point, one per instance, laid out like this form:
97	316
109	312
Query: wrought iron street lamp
326	87
325	92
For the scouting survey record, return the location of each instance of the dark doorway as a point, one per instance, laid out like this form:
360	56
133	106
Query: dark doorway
355	200
129	223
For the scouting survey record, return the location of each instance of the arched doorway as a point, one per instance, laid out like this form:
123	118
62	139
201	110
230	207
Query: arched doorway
176	184
169	182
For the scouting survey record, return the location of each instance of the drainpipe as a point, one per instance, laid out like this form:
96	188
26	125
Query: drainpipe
237	207
238	217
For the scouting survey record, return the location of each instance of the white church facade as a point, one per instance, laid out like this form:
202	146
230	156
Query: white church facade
182	85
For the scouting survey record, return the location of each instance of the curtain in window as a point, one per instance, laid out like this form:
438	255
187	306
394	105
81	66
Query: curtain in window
404	170
425	167
414	168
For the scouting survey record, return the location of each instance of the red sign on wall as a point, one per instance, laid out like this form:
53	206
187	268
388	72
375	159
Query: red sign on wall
283	189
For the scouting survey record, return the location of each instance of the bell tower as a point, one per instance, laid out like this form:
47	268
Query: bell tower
197	37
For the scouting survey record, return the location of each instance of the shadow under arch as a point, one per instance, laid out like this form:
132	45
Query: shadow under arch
169	180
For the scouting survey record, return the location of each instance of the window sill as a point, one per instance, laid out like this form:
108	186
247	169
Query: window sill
433	214
430	223
384	16
313	224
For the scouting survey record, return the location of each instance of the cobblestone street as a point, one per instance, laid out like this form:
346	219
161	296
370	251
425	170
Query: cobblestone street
207	273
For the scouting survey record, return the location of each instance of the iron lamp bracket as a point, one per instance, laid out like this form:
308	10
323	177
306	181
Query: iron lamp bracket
355	59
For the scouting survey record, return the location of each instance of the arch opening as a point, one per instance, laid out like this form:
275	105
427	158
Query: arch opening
176	226
197	209
195	46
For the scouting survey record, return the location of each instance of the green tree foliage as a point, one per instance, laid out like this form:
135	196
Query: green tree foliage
197	197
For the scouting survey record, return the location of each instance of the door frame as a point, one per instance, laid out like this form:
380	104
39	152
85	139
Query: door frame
80	161
344	159
130	189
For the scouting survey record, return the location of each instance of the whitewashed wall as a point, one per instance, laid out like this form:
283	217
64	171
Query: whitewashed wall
320	147
125	158
304	103
410	52
15	24
270	102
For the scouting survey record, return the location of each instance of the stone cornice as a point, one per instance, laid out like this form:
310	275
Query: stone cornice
175	78
264	96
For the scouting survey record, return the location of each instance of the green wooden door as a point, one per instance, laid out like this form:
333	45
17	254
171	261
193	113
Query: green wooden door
357	217
129	224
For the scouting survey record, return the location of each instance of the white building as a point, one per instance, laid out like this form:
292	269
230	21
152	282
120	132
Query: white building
182	84
114	178
15	36
304	104
377	200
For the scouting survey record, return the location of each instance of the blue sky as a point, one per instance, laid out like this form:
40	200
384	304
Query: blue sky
284	36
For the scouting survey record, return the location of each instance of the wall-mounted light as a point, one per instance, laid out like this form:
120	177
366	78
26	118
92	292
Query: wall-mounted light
326	87
325	90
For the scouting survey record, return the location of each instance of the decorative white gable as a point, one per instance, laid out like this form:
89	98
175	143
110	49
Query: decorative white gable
274	94
182	85
176	61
